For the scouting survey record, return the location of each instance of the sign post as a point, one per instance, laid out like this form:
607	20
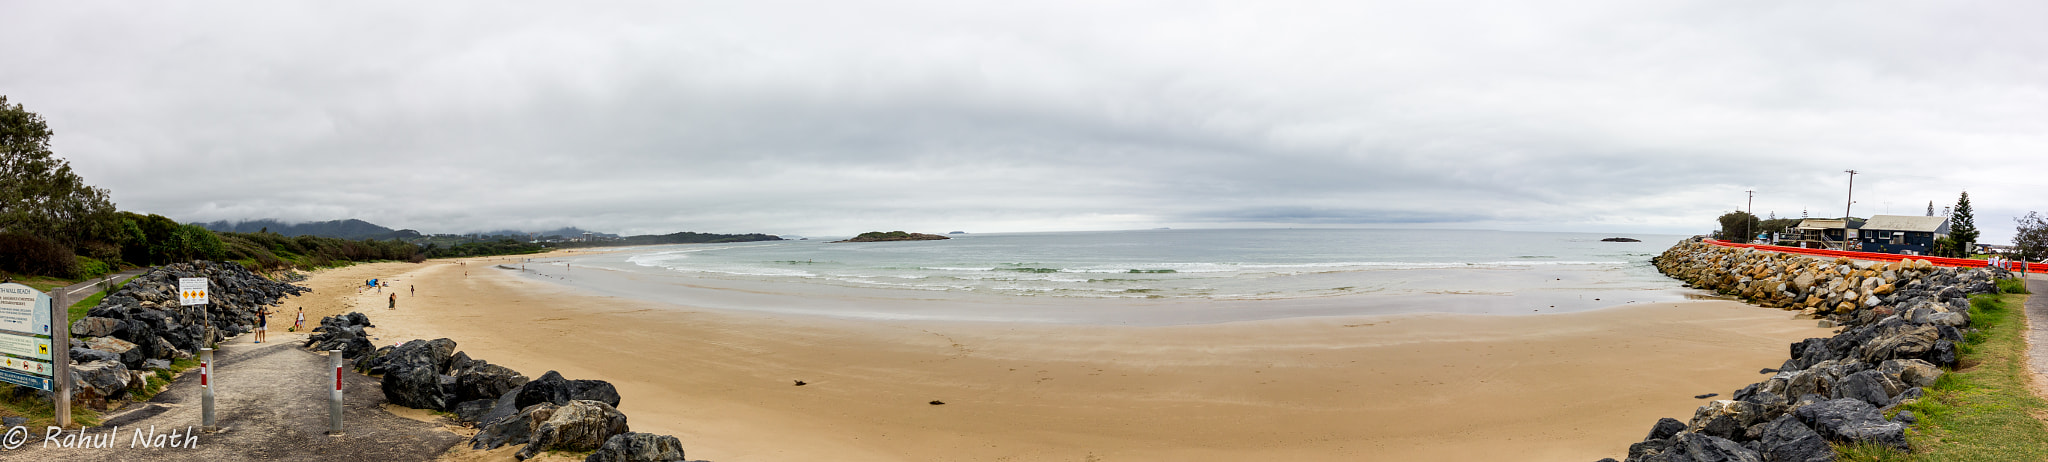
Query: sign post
334	399
27	346
206	390
192	291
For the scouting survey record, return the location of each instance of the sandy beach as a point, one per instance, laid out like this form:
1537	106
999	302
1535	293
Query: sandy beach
1567	387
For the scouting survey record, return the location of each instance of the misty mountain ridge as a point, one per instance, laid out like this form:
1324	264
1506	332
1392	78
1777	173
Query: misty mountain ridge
359	229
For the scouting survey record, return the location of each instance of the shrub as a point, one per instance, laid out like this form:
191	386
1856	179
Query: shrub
88	267
36	255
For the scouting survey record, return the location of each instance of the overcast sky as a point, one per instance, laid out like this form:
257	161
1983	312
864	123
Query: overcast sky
833	117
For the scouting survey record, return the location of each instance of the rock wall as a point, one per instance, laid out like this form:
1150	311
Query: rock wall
141	327
550	413
1900	325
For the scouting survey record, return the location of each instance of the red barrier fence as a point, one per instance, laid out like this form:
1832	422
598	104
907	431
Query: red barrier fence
1940	261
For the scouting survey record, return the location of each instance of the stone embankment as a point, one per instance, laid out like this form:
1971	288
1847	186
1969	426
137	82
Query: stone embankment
141	327
550	413
1900	323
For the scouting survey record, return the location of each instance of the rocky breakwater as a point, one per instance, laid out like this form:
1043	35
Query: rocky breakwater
1901	323
551	413
141	327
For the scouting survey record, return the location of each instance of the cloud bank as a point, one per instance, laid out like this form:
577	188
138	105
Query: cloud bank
836	118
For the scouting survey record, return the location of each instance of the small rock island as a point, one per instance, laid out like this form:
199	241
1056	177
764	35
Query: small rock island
878	236
1620	239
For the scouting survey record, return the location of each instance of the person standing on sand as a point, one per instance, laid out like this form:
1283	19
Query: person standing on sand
415	291
300	324
262	323
394	302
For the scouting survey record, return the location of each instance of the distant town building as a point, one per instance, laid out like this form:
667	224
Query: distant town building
1908	235
1825	233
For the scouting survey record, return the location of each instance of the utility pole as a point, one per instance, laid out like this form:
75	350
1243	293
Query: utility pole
1749	233
1846	207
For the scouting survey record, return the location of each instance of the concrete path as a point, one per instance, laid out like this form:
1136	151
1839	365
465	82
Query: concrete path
271	400
68	295
2037	331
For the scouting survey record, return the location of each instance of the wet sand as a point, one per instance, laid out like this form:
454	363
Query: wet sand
1569	387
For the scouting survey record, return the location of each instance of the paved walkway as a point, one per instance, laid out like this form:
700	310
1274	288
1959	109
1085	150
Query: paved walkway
68	295
271	400
2037	331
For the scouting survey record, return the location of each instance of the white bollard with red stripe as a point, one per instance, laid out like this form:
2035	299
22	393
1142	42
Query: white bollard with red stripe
206	390
334	399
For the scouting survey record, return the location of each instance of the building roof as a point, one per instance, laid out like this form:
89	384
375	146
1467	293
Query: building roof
1828	223
1937	225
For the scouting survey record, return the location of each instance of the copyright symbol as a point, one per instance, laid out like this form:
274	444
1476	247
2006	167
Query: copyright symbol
15	437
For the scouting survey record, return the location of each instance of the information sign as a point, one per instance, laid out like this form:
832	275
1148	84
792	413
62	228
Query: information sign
25	379
26	365
191	291
25	336
25	346
24	310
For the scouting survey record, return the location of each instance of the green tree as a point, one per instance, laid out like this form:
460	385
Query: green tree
2031	244
1739	226
1962	228
39	194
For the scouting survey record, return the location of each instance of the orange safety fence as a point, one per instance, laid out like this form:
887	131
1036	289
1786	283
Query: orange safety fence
1939	261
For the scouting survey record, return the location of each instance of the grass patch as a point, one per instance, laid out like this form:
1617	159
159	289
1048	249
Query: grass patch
18	401
162	378
2013	286
1984	410
42	283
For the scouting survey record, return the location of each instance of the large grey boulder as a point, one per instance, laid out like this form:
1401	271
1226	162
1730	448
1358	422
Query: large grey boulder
512	429
413	375
1911	372
1730	419
552	388
485	381
1871	386
1849	420
95	326
581	425
638	447
1787	440
94	383
129	352
1915	341
86	355
1694	447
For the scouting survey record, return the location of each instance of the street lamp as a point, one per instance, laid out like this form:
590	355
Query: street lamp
1846	208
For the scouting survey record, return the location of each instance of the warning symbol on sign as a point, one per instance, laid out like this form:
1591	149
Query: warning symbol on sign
191	291
43	349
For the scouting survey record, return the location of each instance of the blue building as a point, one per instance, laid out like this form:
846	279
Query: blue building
1907	235
1824	233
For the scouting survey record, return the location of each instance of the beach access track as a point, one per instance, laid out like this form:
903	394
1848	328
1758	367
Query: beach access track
1937	261
271	403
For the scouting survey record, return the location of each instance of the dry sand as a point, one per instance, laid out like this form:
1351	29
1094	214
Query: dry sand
1568	387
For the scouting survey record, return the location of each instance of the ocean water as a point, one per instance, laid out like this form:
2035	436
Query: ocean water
1140	277
1209	264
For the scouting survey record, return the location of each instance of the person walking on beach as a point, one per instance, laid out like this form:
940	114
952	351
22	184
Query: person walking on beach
394	302
300	324
414	291
262	323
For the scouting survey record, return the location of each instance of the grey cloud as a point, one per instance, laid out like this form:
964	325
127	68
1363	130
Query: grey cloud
826	117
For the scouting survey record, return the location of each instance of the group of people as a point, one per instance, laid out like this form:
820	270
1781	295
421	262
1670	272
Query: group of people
263	314
263	323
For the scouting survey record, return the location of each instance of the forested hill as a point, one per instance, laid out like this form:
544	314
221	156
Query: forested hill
345	229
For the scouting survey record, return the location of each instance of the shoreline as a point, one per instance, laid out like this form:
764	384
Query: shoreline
1543	387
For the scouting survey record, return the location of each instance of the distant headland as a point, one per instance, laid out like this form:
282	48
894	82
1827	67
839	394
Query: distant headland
878	236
